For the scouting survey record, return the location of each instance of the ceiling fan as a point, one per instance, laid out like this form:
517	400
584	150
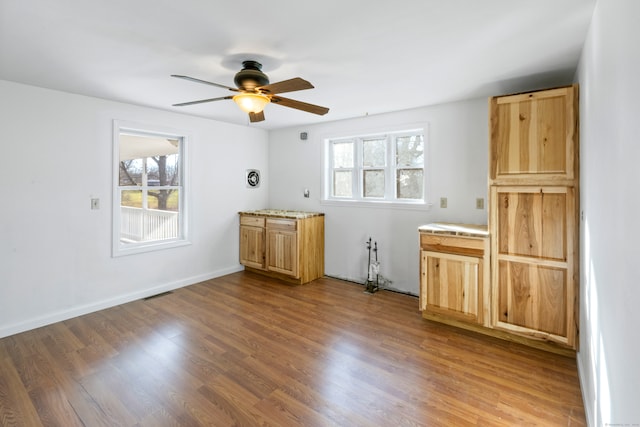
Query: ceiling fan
255	92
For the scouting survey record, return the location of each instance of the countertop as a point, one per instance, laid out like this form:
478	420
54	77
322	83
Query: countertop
471	230
282	213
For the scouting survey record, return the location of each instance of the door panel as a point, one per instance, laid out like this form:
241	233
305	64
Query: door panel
533	297
531	135
282	253
532	223
252	246
452	285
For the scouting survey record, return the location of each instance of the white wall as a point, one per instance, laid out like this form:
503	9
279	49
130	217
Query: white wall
610	151
457	157
56	152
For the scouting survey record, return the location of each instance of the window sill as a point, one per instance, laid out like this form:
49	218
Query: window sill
148	247
418	206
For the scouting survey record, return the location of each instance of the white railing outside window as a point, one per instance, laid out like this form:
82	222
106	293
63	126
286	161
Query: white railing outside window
143	225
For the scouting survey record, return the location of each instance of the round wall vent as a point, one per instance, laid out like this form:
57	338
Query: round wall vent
253	178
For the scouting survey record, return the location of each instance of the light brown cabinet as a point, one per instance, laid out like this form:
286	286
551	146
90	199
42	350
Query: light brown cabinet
454	273
533	138
523	285
533	214
286	245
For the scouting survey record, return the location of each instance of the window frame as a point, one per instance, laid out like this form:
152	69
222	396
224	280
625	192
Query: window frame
390	200
184	236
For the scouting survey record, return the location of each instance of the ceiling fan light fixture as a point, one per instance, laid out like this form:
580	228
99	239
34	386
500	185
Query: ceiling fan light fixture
251	102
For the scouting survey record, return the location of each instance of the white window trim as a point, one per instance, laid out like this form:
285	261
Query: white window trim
117	249
409	204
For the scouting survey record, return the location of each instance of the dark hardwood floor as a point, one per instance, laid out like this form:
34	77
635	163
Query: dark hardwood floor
243	350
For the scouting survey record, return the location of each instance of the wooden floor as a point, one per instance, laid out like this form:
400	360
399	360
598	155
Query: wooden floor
242	350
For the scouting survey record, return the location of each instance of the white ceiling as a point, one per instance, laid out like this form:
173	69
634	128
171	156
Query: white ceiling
363	57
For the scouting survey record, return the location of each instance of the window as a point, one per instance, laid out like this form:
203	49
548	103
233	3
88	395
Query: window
149	189
380	168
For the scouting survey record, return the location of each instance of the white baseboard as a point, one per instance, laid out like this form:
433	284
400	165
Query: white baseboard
363	281
61	315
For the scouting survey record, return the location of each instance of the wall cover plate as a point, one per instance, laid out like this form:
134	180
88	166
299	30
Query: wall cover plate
253	178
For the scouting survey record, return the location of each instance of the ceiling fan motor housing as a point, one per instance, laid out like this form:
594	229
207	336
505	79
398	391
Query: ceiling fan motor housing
251	76
254	91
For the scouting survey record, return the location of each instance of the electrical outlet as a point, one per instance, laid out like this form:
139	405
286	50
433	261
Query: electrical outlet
443	202
480	203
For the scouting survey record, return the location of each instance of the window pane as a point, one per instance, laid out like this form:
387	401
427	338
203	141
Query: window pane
166	200
143	224
373	181
161	219
131	172
131	198
343	154
373	153
409	184
163	170
410	151
342	183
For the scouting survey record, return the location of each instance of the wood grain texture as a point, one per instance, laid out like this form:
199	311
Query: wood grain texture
252	246
282	251
533	297
311	244
454	245
247	350
532	221
453	285
533	263
533	137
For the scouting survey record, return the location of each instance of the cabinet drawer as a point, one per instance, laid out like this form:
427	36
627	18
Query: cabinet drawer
452	244
255	221
282	224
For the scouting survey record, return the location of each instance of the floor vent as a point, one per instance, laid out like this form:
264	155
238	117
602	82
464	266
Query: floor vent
157	295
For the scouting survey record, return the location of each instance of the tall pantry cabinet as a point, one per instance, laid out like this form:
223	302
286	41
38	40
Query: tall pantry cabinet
533	214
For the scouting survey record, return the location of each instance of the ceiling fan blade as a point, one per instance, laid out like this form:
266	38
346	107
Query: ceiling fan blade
290	85
256	117
182	104
299	105
193	79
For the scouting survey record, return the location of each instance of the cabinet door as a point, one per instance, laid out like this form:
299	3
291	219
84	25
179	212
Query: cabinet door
533	267
282	251
533	137
451	285
252	246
